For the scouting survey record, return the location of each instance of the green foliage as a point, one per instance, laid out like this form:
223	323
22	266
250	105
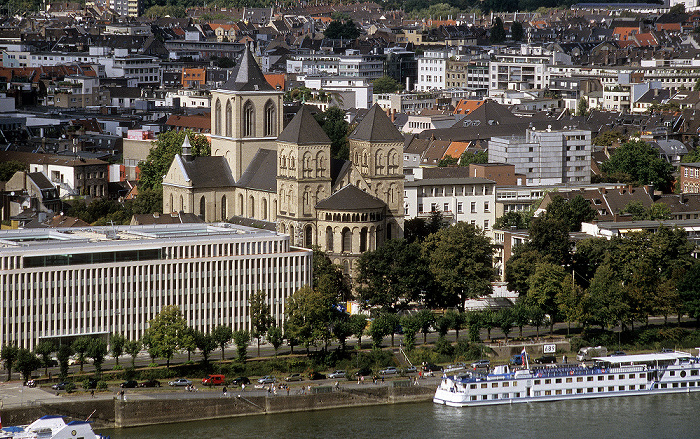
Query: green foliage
381	326
358	323
550	236
81	346
26	363
411	325
657	211
44	350
608	138
460	259
693	156
473	157
582	107
242	338
425	319
447	161
205	343
573	212
274	337
438	11
132	347
116	343
505	319
393	275
337	129
520	266
466	351
346	30
385	84
689	291
97	350
260	316
161	156
519	220
497	33
677	9
516	31
8	169
8	354
544	285
63	354
102	385
328	277
164	332
221	335
165	10
642	162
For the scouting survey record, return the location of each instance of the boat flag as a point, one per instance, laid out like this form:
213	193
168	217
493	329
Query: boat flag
523	358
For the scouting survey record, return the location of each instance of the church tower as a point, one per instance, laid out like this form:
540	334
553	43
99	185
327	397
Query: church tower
376	148
303	177
246	115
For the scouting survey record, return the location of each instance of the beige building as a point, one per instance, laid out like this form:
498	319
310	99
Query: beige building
258	171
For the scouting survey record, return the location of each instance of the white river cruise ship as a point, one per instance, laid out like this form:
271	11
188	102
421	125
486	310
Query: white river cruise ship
622	375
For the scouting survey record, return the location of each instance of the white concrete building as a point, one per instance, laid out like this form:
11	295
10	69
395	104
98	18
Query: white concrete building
313	64
369	67
432	67
352	91
546	156
63	283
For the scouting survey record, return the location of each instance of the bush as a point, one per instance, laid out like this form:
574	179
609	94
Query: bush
443	347
70	388
465	351
102	385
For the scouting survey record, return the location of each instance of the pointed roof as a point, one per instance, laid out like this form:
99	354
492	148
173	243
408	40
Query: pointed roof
376	127
350	198
304	130
247	75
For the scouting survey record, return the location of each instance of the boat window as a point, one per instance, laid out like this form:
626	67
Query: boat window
484	386
642	387
473	398
589	378
547	392
579	379
694	373
682	384
663	386
579	390
484	397
569	391
622	377
683	374
589	390
494	385
506	384
642	375
601	389
611	388
472	386
631	376
548	381
632	387
569	380
505	396
672	373
675	385
495	396
621	388
537	382
601	378
516	395
691	384
558	392
558	380
611	377
537	393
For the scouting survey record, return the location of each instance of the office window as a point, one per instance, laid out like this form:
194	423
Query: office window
460	208
473	206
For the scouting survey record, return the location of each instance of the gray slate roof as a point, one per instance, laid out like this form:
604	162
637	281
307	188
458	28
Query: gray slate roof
247	76
376	127
304	130
350	198
206	172
261	173
40	180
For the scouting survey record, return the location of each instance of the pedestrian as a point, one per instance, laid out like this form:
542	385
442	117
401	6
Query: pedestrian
225	391
243	387
287	386
92	393
362	379
564	359
382	379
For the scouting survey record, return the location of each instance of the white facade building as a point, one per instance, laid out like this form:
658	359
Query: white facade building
359	88
64	283
431	70
313	64
546	156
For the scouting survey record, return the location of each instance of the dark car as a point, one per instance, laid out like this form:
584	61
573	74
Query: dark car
129	384
150	383
240	380
365	371
617	354
546	359
90	383
316	376
60	386
294	377
431	368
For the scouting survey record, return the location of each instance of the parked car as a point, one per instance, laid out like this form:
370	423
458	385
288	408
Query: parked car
316	376
213	380
60	386
294	377
239	381
150	383
389	371
180	382
129	384
267	380
517	360
481	364
617	353
410	369
546	359
91	384
430	368
337	374
365	371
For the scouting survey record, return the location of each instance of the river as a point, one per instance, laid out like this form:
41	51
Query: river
657	416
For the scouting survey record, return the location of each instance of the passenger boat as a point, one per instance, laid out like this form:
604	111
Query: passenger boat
50	427
622	375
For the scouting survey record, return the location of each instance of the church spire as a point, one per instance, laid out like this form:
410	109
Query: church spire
247	75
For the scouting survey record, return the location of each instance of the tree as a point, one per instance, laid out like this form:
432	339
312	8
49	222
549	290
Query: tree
328	278
521	266
677	9
274	337
475	325
516	31
657	211
63	355
116	343
694	155
346	30
165	331
241	338
571	303
9	356
487	319
550	236
132	348
426	319
260	316
641	162
448	161
44	350
221	335
411	325
385	84
460	259
10	167
159	159
469	157
458	320
505	320
335	126
358	323
205	343
188	341
582	107
689	292
443	323
521	315
342	329
545	284
606	297
380	327
573	212
498	33
97	350
512	219
81	346
393	275
27	362
608	138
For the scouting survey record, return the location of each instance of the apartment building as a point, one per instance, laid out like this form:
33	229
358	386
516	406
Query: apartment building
76	91
59	284
313	64
466	73
432	67
369	67
546	156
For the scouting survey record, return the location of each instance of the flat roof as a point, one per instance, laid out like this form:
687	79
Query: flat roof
644	358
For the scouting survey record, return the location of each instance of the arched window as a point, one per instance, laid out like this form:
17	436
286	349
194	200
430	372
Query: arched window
182	204
251	207
248	120
291	235
172	206
320	165
347	240
240	204
217	118
306	170
363	240
308	236
229	119
202	207
306	202
379	163
329	239
270	119
346	267
224	213
264	209
388	231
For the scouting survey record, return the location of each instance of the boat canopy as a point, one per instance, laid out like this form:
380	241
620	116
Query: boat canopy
644	358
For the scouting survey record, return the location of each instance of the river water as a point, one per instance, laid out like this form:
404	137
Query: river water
657	416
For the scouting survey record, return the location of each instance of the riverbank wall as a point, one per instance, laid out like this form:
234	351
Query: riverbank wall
118	413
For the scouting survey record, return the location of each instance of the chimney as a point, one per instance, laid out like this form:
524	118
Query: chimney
393	115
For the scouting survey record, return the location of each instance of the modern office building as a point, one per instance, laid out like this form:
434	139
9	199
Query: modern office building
59	284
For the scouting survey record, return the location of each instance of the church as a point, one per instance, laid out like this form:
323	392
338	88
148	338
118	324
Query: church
264	171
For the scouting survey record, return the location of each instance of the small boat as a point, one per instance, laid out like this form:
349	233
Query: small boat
50	427
612	376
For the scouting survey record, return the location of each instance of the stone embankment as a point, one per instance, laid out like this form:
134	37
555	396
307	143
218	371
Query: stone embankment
168	408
